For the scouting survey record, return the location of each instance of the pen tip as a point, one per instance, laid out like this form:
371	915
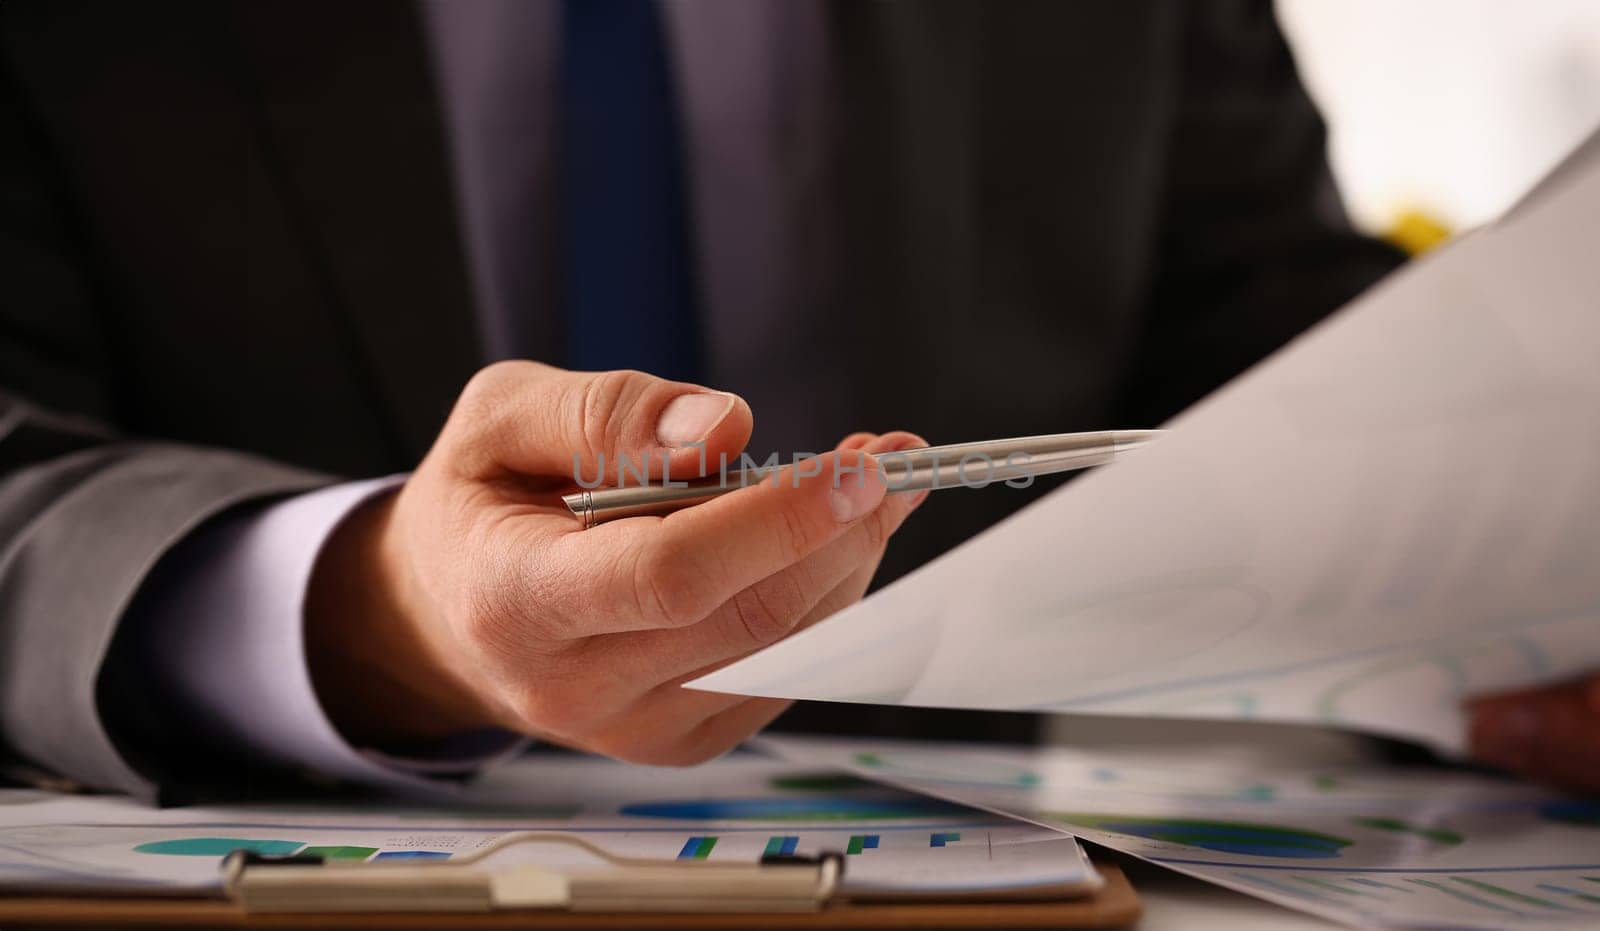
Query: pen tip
1123	440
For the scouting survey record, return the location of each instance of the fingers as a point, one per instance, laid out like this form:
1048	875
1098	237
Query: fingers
675	571
775	607
1549	735
828	580
615	618
533	419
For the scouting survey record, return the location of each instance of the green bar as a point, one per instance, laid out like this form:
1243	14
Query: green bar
1334	887
855	843
1463	896
218	846
1505	893
341	852
1437	835
1580	896
774	846
704	850
1369	881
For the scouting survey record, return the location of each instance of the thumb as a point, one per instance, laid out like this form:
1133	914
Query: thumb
535	419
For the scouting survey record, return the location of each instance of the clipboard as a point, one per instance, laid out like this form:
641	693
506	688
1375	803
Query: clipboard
870	897
778	893
1115	906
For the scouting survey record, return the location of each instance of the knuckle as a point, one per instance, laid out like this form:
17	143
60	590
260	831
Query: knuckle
600	406
798	536
494	604
668	589
575	599
770	609
488	405
485	624
561	705
491	386
534	708
875	531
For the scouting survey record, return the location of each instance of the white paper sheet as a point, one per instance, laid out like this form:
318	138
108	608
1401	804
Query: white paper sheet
1399	509
734	809
1370	846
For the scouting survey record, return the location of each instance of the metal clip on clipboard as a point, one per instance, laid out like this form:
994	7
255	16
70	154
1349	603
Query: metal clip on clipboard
466	884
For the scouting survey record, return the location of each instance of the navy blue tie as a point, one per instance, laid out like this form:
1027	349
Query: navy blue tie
627	281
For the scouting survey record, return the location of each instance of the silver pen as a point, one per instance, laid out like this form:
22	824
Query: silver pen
962	465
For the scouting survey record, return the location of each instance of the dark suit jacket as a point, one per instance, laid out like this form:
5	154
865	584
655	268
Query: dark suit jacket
232	269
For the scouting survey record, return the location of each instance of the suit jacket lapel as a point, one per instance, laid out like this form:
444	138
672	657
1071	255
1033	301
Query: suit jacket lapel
350	113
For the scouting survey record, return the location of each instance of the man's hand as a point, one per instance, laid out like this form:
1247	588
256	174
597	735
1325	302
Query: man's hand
1549	735
472	598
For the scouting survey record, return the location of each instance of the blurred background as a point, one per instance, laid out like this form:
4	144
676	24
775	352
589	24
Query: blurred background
1442	112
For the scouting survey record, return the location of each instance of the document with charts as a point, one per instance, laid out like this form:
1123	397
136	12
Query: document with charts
733	810
1400	508
1369	845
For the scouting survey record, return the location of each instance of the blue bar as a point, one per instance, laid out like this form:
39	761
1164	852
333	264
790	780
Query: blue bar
870	842
412	855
